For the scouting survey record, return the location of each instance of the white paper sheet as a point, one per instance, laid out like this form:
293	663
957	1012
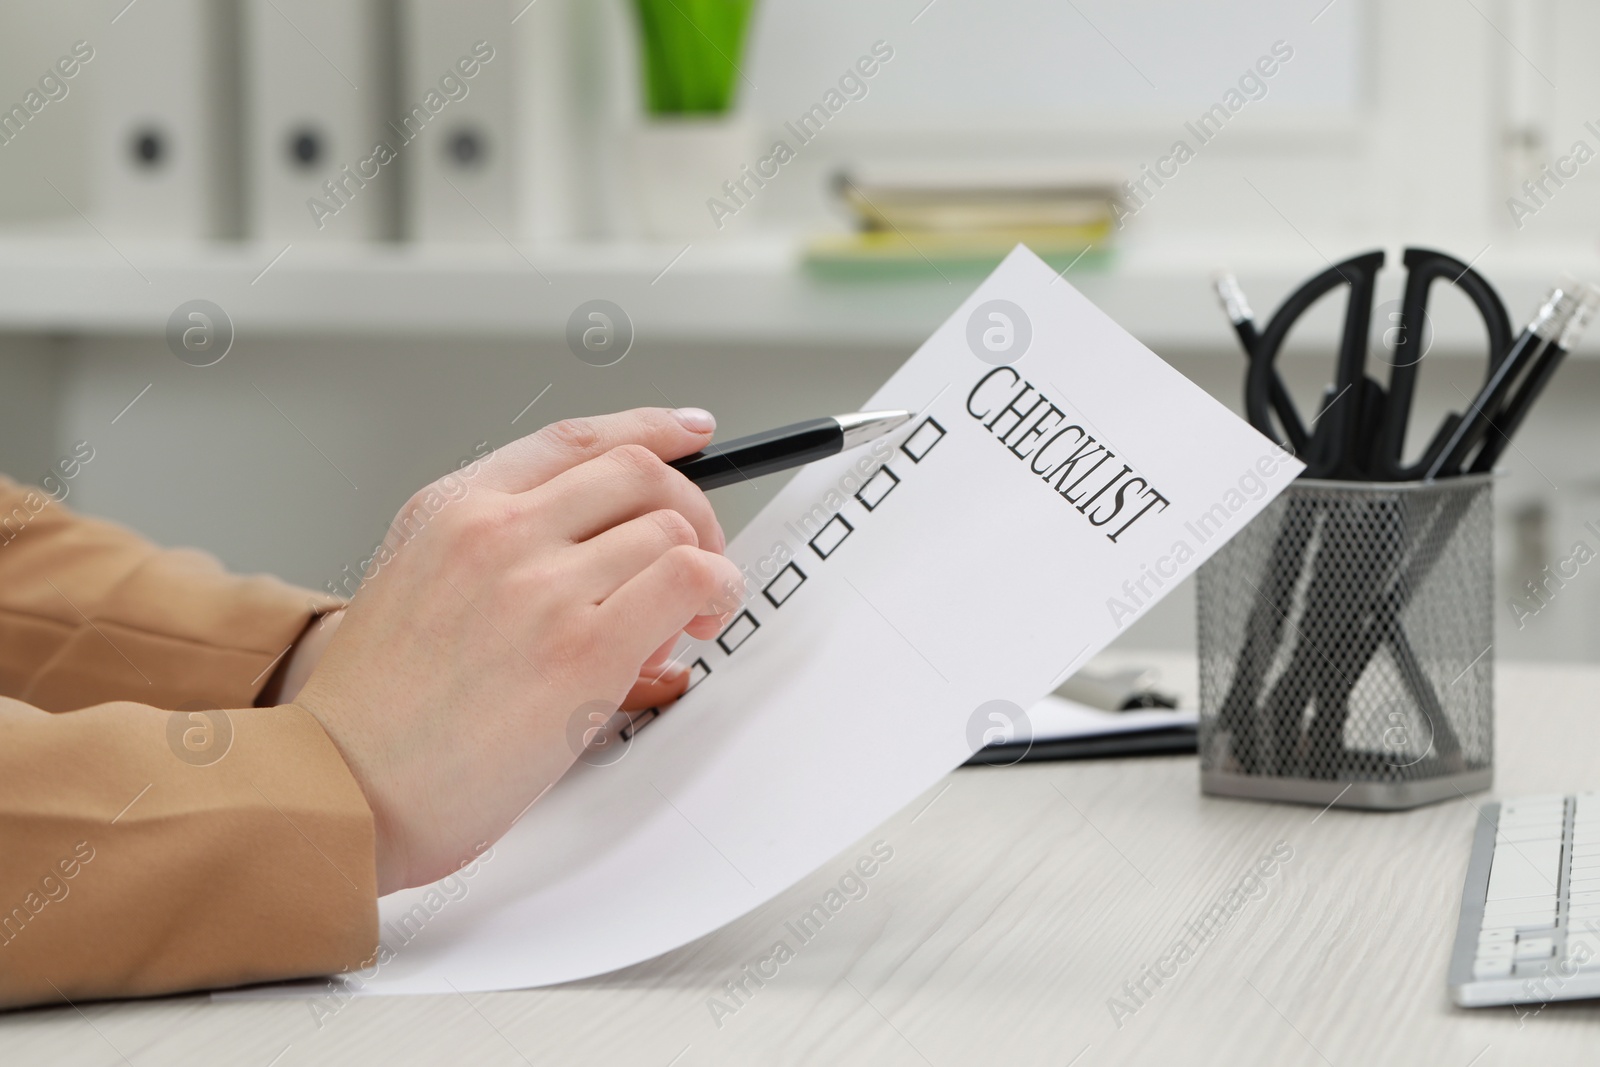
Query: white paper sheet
846	694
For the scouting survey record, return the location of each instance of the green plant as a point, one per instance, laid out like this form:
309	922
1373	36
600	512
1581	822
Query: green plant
692	50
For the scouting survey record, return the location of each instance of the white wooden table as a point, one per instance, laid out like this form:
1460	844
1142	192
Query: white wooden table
1017	903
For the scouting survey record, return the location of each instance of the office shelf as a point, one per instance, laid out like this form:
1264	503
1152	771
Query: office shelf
751	291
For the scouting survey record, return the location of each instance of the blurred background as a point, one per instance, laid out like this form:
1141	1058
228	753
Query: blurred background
279	262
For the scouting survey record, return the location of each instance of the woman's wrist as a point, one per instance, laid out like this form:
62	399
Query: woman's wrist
298	663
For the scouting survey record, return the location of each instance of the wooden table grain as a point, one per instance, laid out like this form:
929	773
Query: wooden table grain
1028	915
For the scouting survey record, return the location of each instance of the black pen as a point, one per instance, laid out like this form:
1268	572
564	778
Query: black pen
1507	420
1231	294
1491	405
786	447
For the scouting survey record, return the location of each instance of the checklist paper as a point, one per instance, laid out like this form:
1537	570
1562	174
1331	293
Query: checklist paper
1057	480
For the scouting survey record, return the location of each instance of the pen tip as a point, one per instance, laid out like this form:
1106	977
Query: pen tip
1586	303
862	426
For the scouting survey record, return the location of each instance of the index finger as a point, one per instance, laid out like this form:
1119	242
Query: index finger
529	462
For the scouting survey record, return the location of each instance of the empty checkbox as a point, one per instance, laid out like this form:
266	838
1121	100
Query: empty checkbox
780	588
922	439
831	536
638	720
878	486
698	670
738	631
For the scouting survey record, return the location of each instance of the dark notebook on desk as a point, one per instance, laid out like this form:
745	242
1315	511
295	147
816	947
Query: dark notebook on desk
1059	729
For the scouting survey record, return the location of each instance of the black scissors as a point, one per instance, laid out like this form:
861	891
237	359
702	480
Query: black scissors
1358	434
1360	431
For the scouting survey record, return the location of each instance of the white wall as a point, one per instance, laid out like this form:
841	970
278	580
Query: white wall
203	458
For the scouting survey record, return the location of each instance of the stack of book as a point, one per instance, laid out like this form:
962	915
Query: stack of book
927	224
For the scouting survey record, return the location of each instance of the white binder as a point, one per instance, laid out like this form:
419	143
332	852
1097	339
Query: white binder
320	164
165	139
455	111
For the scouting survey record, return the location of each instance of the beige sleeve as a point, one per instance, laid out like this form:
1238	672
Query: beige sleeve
145	850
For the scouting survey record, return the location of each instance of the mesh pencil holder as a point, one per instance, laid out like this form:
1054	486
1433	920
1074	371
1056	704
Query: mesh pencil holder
1344	640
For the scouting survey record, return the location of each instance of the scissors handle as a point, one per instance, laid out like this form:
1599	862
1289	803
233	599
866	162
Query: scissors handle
1334	443
1424	266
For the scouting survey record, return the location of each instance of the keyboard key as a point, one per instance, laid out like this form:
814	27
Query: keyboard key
1496	935
1572	964
1541	800
1584	913
1545	903
1535	948
1517	906
1492	909
1527	924
1583	936
1520	810
1495	967
1540	832
1524	870
1540	810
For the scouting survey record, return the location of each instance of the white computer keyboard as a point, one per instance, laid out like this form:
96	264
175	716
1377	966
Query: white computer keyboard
1529	930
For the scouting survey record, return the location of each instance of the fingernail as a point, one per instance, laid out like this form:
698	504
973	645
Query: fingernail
696	420
674	673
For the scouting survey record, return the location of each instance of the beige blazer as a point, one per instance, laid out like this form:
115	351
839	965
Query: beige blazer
145	850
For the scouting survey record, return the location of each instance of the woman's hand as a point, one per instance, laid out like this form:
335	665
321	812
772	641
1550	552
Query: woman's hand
561	577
